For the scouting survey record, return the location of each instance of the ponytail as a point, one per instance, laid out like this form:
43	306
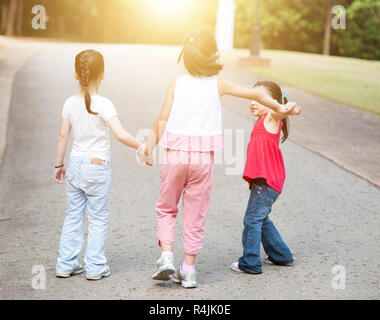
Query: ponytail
200	55
285	125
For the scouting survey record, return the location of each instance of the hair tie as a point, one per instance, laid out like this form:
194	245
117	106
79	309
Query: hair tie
284	95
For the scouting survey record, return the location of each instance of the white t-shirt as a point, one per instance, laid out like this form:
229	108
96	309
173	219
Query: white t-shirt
91	135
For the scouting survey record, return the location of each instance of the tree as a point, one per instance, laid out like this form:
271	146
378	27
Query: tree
287	24
11	18
362	37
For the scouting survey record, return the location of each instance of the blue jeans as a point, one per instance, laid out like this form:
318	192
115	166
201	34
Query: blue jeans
259	228
86	184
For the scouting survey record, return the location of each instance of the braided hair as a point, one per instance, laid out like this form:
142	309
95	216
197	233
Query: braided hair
89	66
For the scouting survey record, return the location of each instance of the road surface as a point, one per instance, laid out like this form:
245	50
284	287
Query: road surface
328	216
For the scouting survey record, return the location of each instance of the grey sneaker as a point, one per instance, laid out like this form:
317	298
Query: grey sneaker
105	273
288	264
77	270
187	278
165	267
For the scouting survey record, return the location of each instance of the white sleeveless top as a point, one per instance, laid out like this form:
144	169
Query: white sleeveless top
195	121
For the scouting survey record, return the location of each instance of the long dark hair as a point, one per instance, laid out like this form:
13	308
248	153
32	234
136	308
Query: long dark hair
200	55
275	91
89	66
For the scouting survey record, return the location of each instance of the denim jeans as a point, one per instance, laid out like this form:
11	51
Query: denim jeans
259	228
86	184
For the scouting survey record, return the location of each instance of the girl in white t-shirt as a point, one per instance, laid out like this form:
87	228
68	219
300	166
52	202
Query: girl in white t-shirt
89	116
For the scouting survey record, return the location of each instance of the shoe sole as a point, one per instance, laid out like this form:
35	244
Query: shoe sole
107	274
281	265
241	271
58	275
185	284
163	273
189	285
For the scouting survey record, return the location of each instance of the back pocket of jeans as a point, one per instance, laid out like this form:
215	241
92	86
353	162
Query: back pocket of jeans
96	184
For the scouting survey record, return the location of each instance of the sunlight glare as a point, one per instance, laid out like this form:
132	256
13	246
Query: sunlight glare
169	5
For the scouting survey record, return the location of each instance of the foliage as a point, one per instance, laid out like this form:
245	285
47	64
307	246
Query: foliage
299	25
137	21
363	34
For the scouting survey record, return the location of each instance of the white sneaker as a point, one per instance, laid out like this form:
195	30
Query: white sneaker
105	273
77	270
165	268
187	278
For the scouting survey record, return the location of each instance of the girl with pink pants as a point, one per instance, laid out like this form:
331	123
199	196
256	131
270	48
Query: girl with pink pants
189	128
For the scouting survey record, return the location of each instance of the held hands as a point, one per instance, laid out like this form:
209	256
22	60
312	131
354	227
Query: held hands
60	175
142	153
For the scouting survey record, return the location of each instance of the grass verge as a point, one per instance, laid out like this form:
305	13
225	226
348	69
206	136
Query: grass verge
350	81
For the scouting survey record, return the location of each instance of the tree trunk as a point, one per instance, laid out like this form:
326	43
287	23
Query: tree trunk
20	18
4	13
327	37
12	11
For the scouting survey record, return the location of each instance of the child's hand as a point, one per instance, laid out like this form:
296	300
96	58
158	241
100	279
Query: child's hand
60	175
292	109
258	109
143	157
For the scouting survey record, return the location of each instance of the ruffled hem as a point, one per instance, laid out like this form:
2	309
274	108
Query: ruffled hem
191	143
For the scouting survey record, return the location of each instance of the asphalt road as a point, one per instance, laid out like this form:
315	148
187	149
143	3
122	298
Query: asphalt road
327	215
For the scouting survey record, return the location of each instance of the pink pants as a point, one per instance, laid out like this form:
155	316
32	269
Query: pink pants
190	173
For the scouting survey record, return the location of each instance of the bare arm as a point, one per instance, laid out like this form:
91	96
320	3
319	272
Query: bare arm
159	124
259	110
279	116
121	134
63	137
258	93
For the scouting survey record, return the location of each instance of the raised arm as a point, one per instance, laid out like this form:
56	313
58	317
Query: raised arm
159	124
63	137
121	134
258	93
259	110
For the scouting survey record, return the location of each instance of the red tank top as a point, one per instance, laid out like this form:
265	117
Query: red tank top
264	157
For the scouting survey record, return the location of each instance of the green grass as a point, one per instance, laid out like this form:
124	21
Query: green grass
349	81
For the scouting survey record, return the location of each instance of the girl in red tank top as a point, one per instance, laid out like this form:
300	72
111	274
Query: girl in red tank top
264	157
265	173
